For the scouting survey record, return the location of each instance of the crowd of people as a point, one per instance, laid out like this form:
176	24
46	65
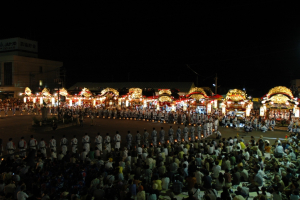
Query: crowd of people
194	161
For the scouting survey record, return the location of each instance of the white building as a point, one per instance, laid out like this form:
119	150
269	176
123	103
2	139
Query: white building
20	67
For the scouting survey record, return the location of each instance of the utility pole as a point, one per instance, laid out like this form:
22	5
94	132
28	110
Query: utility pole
216	84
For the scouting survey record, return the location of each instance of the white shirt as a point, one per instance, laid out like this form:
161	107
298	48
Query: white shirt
196	193
279	149
198	176
247	155
216	170
139	150
22	195
165	183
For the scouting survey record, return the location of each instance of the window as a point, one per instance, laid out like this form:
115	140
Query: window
8	73
41	82
41	69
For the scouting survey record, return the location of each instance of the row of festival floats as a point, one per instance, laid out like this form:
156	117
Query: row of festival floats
197	99
279	103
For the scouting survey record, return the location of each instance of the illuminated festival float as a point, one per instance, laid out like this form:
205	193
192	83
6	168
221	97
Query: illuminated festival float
236	101
279	103
108	97
164	99
197	98
133	98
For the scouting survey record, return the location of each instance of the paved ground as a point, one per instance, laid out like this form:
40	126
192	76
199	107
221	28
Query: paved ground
18	126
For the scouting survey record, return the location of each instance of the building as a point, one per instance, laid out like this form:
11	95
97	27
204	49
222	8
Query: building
20	67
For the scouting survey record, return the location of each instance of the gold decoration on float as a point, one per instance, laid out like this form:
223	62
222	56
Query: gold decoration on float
280	90
236	95
63	92
164	99
85	92
197	96
165	91
199	90
46	92
136	93
279	99
103	92
28	91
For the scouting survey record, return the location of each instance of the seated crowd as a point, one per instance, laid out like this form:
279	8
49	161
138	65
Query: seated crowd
210	169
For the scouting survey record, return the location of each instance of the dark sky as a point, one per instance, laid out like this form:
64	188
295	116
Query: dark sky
251	45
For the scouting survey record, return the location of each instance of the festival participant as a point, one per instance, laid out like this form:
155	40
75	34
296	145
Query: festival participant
86	142
129	140
107	142
22	145
74	143
42	147
192	130
178	133
52	144
32	143
154	137
145	138
64	145
98	141
162	136
117	139
186	133
138	138
171	134
273	123
10	147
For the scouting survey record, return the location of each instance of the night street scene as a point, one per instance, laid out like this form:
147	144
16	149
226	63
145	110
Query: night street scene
138	101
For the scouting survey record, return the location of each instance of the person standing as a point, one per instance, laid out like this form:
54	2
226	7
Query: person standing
154	137
52	144
98	141
178	133
74	143
32	143
64	145
205	129
186	133
145	138
22	147
199	130
162	136
42	147
107	142
192	130
129	140
138	138
86	142
171	134
10	147
117	140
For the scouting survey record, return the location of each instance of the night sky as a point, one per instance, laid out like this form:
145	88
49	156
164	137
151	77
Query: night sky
249	45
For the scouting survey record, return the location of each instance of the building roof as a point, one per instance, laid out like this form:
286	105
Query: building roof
181	86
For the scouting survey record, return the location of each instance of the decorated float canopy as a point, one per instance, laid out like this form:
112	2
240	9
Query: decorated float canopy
197	94
109	91
279	96
236	100
135	93
165	95
236	95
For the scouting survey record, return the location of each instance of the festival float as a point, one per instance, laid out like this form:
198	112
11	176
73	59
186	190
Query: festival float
133	98
108	98
164	99
236	101
279	103
197	99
